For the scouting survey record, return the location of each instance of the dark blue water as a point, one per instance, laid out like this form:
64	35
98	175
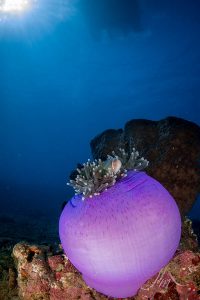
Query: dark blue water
70	71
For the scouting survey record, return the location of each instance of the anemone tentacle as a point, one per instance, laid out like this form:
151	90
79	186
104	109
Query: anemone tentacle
96	176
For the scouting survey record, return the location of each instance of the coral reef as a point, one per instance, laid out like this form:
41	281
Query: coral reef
8	275
92	178
189	239
172	146
180	279
42	275
15	228
49	275
68	283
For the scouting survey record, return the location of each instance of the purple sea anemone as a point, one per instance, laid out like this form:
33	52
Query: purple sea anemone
123	236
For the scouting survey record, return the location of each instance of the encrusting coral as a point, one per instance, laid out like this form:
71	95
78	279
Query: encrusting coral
96	176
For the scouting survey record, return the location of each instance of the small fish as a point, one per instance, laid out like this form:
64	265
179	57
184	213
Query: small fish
114	164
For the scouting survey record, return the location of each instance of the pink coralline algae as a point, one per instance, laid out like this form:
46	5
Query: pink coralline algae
180	280
122	237
42	275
